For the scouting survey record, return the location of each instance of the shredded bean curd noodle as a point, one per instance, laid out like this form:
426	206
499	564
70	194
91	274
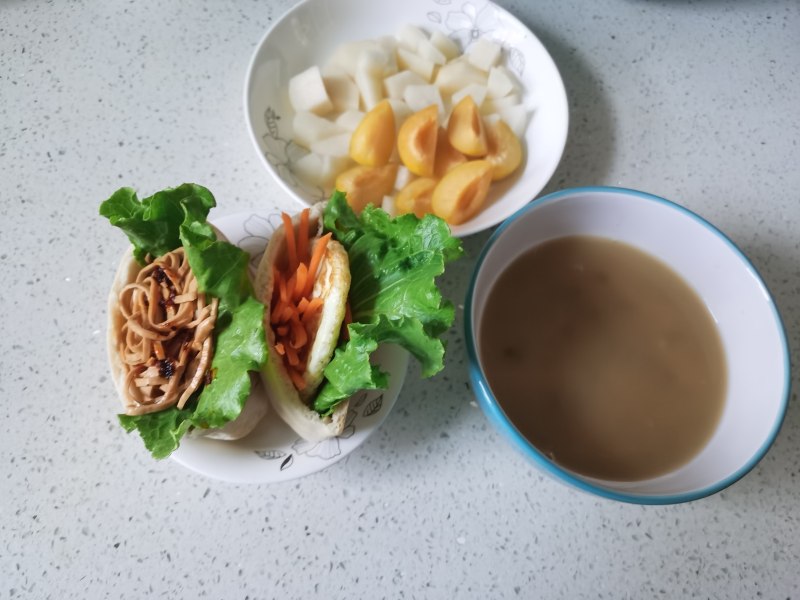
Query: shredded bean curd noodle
165	341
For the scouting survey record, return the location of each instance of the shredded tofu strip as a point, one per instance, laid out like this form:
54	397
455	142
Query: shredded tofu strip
166	341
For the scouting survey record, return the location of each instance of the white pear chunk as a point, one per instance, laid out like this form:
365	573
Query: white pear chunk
341	89
409	36
493	105
516	117
457	75
307	92
426	49
484	54
388	206
403	178
396	84
406	59
345	56
337	145
370	72
476	90
350	119
501	83
308	128
422	96
445	45
320	170
401	111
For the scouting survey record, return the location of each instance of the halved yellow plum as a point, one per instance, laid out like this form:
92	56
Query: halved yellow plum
465	129
416	141
373	140
366	185
447	157
505	149
416	197
462	192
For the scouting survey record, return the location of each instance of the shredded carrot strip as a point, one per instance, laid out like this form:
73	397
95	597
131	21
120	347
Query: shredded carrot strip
316	259
297	379
302	237
294	312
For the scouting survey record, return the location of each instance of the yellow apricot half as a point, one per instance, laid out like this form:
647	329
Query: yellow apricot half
447	157
462	192
505	150
373	140
416	197
366	185
416	141
465	129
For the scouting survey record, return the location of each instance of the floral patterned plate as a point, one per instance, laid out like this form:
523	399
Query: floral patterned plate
311	30
273	452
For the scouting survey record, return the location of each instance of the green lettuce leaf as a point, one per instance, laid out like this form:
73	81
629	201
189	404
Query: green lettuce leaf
161	223
393	295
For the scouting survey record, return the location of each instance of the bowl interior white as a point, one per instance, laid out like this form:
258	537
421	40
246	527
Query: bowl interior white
310	31
751	332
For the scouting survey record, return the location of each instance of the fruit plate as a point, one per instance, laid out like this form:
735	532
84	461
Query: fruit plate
309	32
273	452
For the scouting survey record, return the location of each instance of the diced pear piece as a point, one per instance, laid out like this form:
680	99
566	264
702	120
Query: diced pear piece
420	96
416	141
447	157
416	197
396	84
484	54
350	119
307	92
345	57
337	145
401	111
501	82
456	75
373	140
427	50
369	75
403	178
341	89
445	45
462	192
465	128
517	118
406	59
476	90
366	185
388	206
320	170
410	36
505	150
309	128
491	105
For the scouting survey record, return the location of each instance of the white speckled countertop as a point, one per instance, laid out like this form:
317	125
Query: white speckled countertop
698	102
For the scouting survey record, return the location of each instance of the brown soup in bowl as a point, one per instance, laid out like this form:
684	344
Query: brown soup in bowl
604	358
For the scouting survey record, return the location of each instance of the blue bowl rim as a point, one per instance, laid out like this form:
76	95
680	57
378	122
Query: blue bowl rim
497	416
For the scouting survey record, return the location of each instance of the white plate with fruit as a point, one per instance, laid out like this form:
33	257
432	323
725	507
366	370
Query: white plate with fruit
339	94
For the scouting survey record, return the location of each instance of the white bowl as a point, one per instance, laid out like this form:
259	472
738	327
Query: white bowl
311	30
752	334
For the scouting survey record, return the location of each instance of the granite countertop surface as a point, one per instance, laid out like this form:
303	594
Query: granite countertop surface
693	101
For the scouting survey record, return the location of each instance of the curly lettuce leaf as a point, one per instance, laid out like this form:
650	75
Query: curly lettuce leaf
154	228
393	295
153	224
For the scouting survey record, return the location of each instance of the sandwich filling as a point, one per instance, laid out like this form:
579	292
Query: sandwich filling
165	341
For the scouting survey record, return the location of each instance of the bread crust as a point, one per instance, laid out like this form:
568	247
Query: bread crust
255	408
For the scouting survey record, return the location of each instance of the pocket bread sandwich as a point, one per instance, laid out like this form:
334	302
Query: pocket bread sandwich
185	330
336	285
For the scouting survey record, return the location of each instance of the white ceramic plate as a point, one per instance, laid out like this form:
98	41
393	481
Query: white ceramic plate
310	31
273	452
